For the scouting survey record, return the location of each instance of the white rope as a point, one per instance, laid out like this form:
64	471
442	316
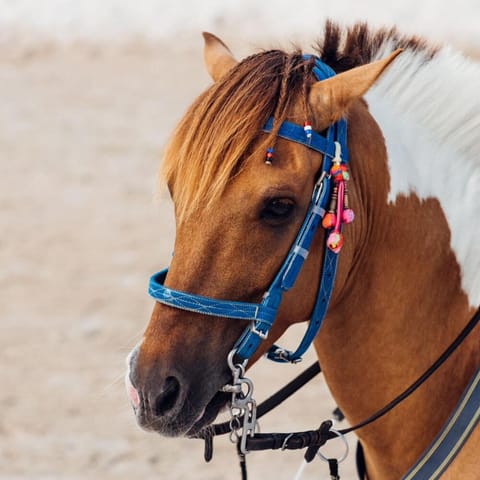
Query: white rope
300	470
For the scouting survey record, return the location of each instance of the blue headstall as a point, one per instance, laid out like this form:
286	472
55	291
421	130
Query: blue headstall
262	315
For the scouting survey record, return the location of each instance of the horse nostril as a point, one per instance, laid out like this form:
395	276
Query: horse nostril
168	397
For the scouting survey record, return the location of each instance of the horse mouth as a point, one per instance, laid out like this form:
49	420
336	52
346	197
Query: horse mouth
188	425
209	413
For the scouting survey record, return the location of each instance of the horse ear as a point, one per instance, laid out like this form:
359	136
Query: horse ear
218	57
331	98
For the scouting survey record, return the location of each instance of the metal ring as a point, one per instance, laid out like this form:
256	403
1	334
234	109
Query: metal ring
236	366
347	448
285	442
234	436
235	424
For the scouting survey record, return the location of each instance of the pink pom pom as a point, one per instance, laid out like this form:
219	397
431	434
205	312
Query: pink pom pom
335	242
348	216
329	220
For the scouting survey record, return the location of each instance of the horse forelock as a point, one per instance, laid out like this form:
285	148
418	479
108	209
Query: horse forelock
215	138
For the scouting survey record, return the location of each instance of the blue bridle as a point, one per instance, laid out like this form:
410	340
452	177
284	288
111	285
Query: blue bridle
262	315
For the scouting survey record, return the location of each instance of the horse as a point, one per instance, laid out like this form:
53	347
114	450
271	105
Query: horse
408	273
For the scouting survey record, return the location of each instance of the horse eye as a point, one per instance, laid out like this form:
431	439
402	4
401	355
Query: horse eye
278	210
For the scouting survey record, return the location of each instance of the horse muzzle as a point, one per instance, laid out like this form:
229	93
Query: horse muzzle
169	403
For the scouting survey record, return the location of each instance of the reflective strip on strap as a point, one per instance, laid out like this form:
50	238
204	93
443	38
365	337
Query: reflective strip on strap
318	210
303	252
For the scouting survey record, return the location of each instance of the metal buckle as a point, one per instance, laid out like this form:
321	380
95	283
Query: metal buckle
262	335
283	354
319	185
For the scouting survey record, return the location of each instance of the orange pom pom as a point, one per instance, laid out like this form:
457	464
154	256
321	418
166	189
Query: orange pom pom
329	220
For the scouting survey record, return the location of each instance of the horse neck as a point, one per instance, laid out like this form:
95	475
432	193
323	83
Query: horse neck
398	303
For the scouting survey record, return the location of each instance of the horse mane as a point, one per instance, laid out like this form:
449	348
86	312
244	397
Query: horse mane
346	48
214	139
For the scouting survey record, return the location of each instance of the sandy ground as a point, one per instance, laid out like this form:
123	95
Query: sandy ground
81	132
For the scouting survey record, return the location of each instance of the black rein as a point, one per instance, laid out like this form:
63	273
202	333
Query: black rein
314	439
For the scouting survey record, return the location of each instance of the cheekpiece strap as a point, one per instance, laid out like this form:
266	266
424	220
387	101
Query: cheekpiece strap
288	273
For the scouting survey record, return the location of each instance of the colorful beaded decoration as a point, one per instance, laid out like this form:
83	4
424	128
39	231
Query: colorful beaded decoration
339	212
269	156
307	127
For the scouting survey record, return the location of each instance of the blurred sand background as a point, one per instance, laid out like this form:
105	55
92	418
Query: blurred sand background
89	92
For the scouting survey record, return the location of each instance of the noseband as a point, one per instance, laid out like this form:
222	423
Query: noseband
333	147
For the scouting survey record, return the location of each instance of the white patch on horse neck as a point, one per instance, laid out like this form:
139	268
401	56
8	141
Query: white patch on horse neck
429	112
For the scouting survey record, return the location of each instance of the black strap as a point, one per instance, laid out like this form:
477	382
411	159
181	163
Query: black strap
422	378
333	465
243	462
314	439
360	462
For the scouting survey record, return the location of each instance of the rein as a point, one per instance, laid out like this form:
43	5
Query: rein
312	440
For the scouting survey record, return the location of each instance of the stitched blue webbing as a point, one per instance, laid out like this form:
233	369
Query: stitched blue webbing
296	133
262	315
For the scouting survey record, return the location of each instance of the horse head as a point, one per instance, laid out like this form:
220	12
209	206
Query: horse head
240	196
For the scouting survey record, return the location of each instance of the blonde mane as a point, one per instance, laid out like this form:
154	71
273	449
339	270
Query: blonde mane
216	135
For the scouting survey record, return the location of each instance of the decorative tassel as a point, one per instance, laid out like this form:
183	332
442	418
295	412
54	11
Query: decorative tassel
329	220
339	212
